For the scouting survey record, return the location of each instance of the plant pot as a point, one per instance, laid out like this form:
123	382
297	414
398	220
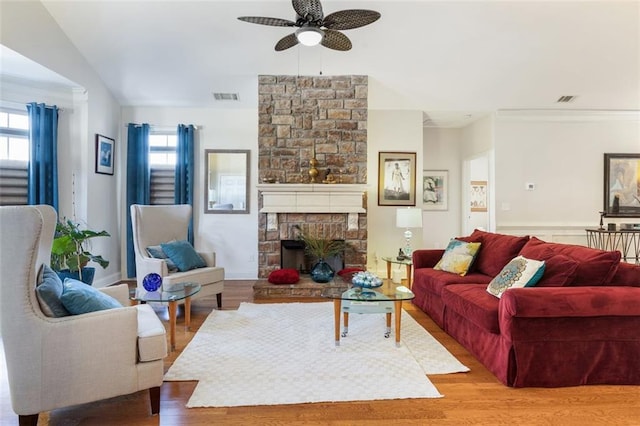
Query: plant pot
87	274
322	272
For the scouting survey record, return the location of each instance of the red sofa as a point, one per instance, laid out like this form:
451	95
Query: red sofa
580	324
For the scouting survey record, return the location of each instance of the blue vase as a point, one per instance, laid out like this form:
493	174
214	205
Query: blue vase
152	282
322	272
87	275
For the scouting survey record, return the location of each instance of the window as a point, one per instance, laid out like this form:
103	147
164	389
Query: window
14	157
162	162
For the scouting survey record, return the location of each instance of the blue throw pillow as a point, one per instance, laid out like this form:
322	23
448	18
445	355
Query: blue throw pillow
157	253
80	298
48	292
183	255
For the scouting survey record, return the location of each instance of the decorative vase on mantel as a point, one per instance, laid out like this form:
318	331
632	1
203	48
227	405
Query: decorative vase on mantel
322	272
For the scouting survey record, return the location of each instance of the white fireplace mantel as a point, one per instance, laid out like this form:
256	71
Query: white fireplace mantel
312	198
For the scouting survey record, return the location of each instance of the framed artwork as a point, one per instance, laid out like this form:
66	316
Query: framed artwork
478	195
435	189
622	185
396	178
104	154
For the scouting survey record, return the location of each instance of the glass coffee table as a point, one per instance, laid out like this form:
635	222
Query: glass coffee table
182	291
385	299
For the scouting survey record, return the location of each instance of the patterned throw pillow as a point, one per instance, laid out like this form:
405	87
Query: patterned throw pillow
520	272
458	257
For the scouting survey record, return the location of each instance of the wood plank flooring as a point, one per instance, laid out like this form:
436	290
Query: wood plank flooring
473	398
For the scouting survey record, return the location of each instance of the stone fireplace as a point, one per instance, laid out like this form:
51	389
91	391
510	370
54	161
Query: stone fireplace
302	118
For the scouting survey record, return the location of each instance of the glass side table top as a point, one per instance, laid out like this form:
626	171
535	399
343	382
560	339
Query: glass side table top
387	291
178	292
394	259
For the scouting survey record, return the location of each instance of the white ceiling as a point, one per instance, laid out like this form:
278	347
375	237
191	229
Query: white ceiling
453	60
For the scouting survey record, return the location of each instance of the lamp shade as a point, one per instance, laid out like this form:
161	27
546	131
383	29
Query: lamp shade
409	218
309	36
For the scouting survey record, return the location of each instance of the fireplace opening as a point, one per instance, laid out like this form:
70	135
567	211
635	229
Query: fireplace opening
292	256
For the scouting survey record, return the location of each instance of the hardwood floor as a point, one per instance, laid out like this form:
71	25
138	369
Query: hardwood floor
473	398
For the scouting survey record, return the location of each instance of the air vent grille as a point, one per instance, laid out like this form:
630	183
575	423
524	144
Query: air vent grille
226	96
566	99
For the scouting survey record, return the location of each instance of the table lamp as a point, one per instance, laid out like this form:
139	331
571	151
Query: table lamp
408	218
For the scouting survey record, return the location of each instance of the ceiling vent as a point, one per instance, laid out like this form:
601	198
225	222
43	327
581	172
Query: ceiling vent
226	96
566	99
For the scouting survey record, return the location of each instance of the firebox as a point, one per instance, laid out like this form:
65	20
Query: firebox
292	256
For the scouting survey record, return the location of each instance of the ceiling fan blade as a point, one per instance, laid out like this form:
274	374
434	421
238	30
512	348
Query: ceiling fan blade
310	10
351	18
286	42
263	20
335	40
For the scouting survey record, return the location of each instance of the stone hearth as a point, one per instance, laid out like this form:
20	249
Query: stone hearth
263	289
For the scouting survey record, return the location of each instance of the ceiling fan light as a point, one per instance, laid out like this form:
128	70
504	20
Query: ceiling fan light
309	36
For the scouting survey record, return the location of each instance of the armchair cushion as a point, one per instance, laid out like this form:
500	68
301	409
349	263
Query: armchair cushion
152	343
157	253
183	255
80	298
48	292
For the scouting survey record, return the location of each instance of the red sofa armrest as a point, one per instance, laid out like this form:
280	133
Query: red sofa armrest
426	258
583	311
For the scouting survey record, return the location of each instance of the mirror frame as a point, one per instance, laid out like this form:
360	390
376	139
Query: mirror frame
207	152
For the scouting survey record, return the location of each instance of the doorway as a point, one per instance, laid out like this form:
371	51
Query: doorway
478	189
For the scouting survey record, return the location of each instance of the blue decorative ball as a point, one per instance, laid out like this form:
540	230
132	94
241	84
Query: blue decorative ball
152	282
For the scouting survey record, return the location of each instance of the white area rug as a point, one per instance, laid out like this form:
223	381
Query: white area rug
265	354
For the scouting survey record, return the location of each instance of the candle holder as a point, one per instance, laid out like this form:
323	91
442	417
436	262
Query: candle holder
313	172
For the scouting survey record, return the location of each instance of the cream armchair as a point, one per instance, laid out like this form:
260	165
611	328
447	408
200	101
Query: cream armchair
58	362
153	225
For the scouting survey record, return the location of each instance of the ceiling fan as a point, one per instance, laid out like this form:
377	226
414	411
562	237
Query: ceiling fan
315	28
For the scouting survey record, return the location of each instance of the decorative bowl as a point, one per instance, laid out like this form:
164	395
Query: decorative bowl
152	282
366	280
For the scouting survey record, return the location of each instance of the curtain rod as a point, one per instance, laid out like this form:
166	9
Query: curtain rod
158	127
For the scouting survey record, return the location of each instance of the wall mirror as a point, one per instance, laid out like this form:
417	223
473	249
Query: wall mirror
226	176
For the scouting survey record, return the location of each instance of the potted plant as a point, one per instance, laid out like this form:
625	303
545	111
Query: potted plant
70	251
321	248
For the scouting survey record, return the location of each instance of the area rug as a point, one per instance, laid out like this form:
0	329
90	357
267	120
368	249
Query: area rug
284	353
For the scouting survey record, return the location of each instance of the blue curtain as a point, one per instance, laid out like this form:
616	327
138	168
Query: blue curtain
185	165
138	178
43	157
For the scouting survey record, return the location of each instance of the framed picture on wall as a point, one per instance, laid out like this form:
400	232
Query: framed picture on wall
622	185
478	195
105	150
396	178
435	189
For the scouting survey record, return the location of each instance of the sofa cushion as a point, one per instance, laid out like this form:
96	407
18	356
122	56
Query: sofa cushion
520	272
595	267
627	275
496	251
157	253
458	257
183	255
284	276
560	270
434	281
48	292
80	298
472	301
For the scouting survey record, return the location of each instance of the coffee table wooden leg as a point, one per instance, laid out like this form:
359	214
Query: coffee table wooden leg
398	308
409	276
388	332
187	312
173	308
337	304
388	270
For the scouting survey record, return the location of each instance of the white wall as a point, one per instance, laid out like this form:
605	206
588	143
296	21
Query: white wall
233	237
562	154
29	29
390	131
442	152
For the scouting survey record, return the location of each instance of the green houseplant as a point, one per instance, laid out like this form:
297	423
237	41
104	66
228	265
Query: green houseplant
70	251
321	248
